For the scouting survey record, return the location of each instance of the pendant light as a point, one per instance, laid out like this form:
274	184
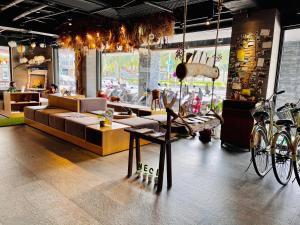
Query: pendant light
23	60
20	49
33	45
42	45
12	44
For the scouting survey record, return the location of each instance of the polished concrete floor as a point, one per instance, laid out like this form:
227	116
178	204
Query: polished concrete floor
44	180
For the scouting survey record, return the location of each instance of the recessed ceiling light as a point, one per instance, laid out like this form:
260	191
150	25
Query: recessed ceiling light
38	12
70	24
298	13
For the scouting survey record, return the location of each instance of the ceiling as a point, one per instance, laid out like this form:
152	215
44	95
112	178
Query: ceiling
26	20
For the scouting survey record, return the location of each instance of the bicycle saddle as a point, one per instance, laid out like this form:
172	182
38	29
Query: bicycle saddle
286	123
262	114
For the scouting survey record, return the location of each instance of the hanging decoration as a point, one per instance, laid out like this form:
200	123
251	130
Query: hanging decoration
37	60
23	60
12	44
111	36
78	66
43	45
21	49
33	45
191	67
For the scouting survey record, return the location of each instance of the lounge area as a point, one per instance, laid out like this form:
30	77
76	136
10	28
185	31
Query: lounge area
149	112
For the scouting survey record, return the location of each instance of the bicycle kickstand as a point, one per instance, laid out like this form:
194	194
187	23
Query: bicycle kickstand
251	161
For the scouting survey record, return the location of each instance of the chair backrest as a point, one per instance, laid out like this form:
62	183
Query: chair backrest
92	104
67	103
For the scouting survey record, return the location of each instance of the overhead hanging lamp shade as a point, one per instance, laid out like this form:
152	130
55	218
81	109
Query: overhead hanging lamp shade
21	49
39	59
23	60
42	45
12	44
33	45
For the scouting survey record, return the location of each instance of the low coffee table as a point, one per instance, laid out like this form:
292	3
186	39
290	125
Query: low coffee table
111	139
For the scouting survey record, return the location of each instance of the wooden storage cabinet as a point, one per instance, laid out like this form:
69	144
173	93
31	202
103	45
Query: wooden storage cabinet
14	102
238	123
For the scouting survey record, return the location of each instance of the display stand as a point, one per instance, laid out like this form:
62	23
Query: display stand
14	102
165	151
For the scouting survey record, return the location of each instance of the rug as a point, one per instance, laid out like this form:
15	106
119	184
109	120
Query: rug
15	119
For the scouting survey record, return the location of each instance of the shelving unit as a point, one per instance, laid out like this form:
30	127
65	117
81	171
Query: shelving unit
14	102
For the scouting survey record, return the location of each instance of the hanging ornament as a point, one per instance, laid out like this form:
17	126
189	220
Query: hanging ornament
33	45
119	48
20	49
42	45
151	37
23	60
12	44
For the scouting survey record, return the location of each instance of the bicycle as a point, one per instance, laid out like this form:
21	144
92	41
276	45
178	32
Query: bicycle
282	144
262	134
296	147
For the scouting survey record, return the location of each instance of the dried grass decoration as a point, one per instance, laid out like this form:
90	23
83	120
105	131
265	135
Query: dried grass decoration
110	36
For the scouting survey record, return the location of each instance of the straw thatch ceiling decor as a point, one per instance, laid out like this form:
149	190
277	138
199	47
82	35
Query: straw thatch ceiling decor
112	35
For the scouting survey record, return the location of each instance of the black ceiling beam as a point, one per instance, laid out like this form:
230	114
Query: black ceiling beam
26	31
36	9
100	10
15	2
158	6
51	15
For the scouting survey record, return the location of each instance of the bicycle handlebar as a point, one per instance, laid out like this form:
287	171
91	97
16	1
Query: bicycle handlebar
279	92
275	94
296	110
281	108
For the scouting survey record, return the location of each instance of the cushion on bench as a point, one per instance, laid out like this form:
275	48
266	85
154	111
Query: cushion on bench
97	112
76	126
29	111
139	122
57	120
158	118
42	116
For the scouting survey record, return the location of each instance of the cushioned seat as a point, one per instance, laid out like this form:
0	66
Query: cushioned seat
284	122
92	104
29	111
139	122
158	118
57	120
42	116
76	125
97	112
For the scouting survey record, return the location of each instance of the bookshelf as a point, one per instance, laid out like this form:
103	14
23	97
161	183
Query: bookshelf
14	102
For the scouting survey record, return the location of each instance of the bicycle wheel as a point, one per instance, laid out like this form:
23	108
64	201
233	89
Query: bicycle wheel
281	157
296	158
259	152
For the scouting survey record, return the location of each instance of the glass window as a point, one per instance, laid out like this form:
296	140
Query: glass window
66	69
132	76
4	68
120	75
289	68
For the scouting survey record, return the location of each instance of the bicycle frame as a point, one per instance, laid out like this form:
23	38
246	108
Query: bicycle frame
262	124
294	147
